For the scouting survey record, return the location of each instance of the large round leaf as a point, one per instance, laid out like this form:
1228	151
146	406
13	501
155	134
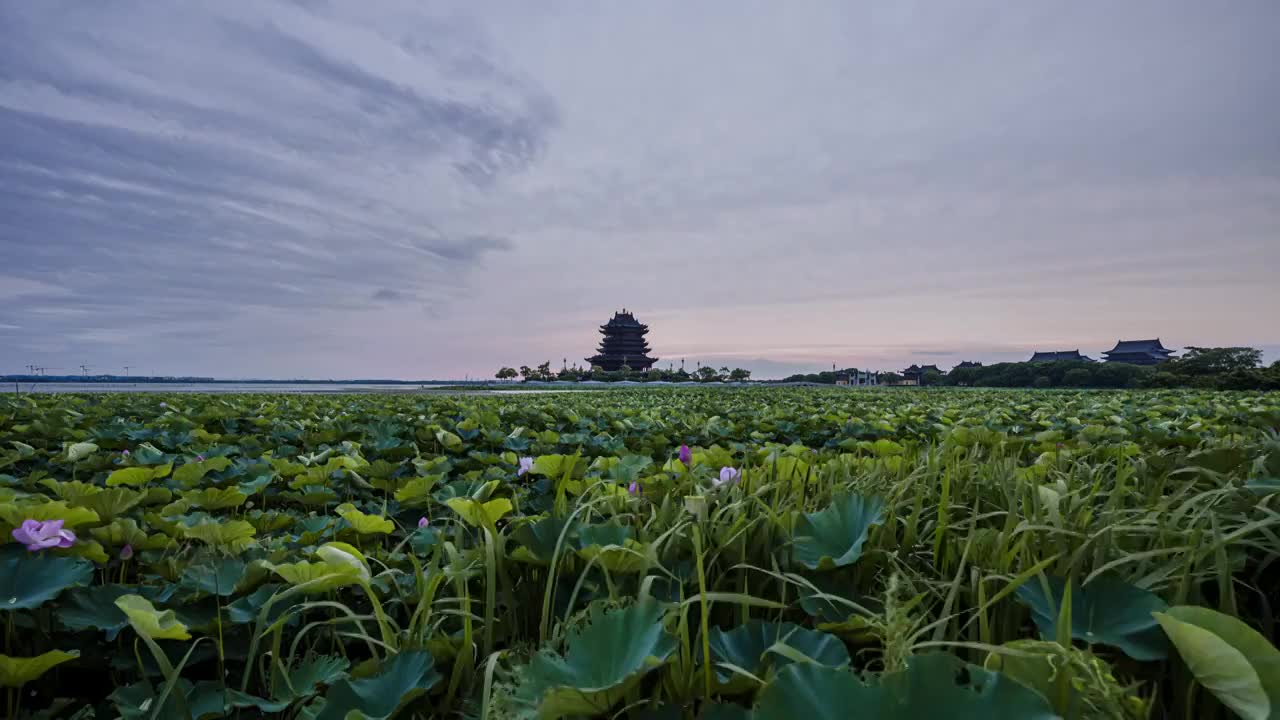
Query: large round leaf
30	579
1231	659
401	678
18	671
603	660
833	537
932	686
756	647
1106	611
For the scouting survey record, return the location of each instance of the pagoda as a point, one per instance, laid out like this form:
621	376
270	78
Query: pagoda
1059	355
1138	352
623	344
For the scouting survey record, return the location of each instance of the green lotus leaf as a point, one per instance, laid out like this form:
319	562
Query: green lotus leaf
29	580
401	678
629	557
18	671
138	475
417	492
555	466
538	539
213	498
362	523
448	440
320	577
246	608
480	514
834	537
1107	611
932	686
119	533
218	577
79	451
149	622
111	503
1229	658
603	660
235	535
94	607
305	678
752	647
189	474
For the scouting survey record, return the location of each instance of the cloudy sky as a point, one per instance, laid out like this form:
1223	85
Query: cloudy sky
424	190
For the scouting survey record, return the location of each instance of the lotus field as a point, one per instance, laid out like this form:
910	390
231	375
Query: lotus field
721	553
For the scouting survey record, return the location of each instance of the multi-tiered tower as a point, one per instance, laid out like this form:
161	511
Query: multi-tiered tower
623	344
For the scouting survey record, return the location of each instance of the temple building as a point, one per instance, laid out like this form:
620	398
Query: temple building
967	365
1138	352
1059	355
623	344
914	375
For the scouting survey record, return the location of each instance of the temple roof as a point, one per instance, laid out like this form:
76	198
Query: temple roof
623	320
1139	346
1058	355
966	364
920	369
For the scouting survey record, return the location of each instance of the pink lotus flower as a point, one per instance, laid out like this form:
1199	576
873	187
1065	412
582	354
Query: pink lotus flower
199	458
686	456
526	465
38	535
126	552
125	453
423	522
634	488
728	476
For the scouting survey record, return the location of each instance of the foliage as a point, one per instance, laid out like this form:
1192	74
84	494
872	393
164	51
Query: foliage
967	553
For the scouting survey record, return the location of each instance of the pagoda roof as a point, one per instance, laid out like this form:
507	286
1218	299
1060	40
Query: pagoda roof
623	319
920	369
966	364
1139	346
1055	355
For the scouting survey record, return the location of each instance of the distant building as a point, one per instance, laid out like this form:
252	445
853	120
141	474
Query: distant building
1138	352
1059	355
915	374
623	344
861	378
967	365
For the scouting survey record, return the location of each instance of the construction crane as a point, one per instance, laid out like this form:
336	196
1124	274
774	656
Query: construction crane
126	370
84	370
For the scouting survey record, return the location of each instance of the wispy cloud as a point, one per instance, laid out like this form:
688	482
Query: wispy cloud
281	188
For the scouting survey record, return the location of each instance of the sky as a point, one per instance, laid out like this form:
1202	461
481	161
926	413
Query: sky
419	190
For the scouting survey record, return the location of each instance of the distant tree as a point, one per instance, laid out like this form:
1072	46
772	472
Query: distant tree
544	371
1077	377
706	374
526	372
740	375
931	377
1042	382
890	378
1213	361
506	373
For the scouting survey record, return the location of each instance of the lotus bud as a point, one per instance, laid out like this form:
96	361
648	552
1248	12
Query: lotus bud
686	456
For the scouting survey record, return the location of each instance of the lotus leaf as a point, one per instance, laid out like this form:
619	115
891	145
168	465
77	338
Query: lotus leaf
215	498
235	535
932	686
834	537
480	514
603	660
1107	611
29	580
752	648
1231	659
72	517
218	577
362	523
189	474
401	678
149	622
538	539
138	475
79	451
16	672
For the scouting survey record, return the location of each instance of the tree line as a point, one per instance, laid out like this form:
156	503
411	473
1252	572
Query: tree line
544	373
1209	368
